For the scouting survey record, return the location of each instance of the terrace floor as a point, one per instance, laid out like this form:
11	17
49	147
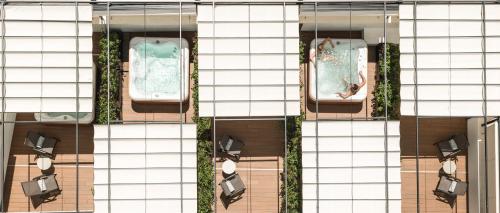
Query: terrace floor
431	130
338	110
260	165
22	167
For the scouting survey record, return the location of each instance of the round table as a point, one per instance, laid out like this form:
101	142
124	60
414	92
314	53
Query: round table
449	167
228	167
44	163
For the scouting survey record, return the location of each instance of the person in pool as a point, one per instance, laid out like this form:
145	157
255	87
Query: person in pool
352	89
325	49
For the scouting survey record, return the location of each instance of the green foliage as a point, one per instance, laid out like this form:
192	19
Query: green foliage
114	79
393	82
294	166
302	47
204	145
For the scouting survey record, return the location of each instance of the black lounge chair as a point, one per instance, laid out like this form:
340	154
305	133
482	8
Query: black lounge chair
453	146
40	144
232	186
449	188
43	187
231	146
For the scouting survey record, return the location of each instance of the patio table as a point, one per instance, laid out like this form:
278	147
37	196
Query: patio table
228	167
449	167
44	163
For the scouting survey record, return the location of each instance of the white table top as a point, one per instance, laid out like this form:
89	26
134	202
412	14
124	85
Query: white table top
44	163
228	167
449	167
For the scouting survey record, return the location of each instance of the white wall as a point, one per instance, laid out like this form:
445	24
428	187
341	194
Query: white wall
244	71
476	167
493	173
475	162
7	140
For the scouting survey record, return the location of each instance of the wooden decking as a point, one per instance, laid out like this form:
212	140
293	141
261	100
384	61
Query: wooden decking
361	110
431	130
22	167
259	167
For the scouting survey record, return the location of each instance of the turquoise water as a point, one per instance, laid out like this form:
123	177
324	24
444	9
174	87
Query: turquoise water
337	68
72	114
156	68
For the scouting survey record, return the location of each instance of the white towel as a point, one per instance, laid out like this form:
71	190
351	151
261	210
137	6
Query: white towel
230	186
41	184
452	186
40	141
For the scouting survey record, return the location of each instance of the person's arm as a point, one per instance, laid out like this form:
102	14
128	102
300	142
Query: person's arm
345	95
363	79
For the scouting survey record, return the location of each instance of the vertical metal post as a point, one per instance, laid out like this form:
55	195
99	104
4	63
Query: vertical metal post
317	98
417	151
485	107
108	19
145	122
3	109
284	107
386	114
213	109
77	141
181	94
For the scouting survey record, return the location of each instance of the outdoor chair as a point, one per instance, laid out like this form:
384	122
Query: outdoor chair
449	188
450	148
232	186
42	187
231	146
40	144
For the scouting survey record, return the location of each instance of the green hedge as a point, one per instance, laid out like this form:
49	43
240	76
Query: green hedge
302	53
393	82
102	81
204	147
294	166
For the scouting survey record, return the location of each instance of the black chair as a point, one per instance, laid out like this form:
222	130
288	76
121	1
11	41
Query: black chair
41	144
231	146
449	188
44	186
232	186
452	147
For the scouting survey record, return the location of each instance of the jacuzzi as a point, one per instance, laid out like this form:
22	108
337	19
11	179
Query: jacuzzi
83	117
345	66
155	66
69	117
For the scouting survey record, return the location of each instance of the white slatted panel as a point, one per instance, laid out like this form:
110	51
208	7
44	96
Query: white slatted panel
351	166
492	16
450	69
242	62
145	168
41	58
